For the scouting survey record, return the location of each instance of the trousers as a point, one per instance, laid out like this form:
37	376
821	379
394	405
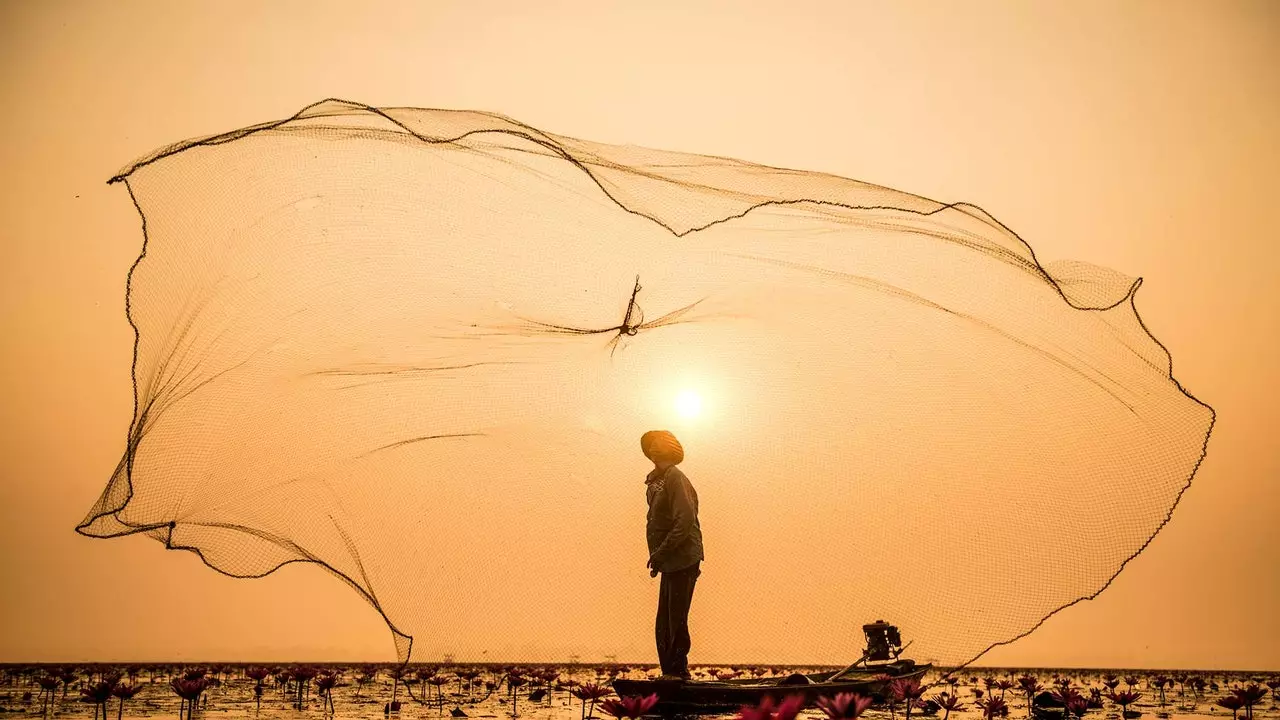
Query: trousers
675	593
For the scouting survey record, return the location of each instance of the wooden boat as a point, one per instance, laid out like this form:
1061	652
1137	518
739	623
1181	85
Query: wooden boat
698	697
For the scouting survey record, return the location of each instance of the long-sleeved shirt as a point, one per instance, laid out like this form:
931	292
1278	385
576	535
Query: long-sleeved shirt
672	529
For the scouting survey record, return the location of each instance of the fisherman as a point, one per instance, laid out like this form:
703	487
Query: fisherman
675	548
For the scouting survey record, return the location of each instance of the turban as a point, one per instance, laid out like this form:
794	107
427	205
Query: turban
661	445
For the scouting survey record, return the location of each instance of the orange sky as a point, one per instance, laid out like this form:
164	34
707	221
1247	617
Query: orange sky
1134	137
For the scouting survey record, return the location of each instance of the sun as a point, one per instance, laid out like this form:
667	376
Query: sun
689	404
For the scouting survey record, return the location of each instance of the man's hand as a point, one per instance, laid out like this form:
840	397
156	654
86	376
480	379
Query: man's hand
653	572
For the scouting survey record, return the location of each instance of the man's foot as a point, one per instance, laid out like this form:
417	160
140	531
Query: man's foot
681	678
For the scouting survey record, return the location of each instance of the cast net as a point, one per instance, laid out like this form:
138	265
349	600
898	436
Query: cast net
419	348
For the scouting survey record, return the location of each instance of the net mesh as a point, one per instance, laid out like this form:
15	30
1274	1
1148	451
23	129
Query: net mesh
419	348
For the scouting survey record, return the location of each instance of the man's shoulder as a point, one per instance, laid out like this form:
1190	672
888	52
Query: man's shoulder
677	475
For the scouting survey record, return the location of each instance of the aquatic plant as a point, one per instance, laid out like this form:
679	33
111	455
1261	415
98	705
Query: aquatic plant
48	684
994	707
98	694
1124	700
1077	706
1030	687
302	676
590	692
471	675
1159	682
439	681
67	676
908	690
844	706
1249	696
124	692
1003	686
949	702
631	706
189	691
769	710
397	674
514	680
325	683
1232	703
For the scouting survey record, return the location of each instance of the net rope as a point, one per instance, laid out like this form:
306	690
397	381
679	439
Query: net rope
418	348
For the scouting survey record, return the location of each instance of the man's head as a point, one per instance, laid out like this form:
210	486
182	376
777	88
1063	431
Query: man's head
661	447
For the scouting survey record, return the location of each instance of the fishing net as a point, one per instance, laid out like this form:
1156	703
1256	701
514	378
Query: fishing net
419	348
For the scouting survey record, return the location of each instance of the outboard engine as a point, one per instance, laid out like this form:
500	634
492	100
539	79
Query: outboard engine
883	641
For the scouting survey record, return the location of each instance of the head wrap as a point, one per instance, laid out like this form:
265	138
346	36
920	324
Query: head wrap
661	445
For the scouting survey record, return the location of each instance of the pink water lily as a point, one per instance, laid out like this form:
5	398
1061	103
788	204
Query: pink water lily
124	692
994	707
768	710
1249	696
98	694
631	706
949	702
1124	699
844	706
1232	703
591	692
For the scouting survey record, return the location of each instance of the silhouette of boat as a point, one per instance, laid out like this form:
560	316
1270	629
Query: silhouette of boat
697	697
884	645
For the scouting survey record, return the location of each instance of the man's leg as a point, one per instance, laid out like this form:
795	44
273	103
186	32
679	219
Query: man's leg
662	628
681	599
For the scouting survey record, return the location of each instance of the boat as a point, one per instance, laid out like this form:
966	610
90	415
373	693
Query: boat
694	697
703	697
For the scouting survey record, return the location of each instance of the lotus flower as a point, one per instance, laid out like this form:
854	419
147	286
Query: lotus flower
1077	706
439	681
629	707
767	710
98	694
1065	694
303	675
325	683
1124	699
904	689
844	706
1249	696
591	692
47	683
1232	703
994	707
189	690
514	680
1031	687
124	692
949	702
1160	681
1094	700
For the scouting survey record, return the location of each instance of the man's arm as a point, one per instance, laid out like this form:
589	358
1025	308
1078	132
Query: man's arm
681	498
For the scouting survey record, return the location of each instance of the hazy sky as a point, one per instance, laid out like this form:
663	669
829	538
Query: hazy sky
1131	135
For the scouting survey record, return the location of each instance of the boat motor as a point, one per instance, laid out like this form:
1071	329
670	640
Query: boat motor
883	641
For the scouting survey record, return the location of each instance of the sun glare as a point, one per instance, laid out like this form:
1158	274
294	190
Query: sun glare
689	404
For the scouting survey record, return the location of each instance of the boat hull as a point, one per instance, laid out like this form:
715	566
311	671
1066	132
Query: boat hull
696	697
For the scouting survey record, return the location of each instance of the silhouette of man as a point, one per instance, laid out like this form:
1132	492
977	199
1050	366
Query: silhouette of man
675	548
